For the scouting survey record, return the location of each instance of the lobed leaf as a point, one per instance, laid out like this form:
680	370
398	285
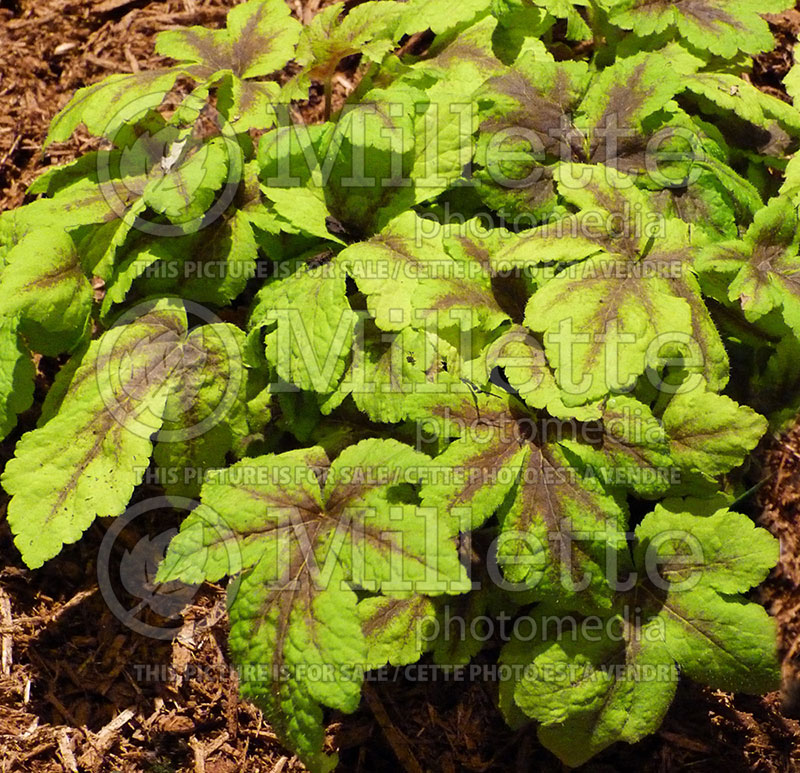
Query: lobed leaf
589	689
710	432
87	459
720	26
303	548
43	283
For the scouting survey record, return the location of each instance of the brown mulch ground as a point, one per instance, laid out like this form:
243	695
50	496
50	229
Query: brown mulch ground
79	691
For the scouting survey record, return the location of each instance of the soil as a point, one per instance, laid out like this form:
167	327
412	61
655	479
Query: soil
80	691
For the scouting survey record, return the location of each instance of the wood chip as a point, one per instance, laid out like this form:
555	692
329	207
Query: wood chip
36	751
7	642
396	739
685	742
65	751
112	5
63	48
199	755
115	724
279	765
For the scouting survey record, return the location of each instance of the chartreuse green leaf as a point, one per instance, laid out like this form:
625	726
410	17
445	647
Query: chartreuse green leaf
112	205
710	432
762	268
689	162
477	247
727	643
577	28
357	166
16	374
8	232
303	546
621	98
636	316
764	122
369	29
715	637
540	112
212	545
288	158
184	188
440	17
722	27
307	324
593	680
443	132
53	178
374	145
743	554
212	265
626	317
258	40
706	204
397	630
297	648
205	416
131	96
402	143
164	184
86	458
792	82
527	124
311	212
640	297
140	260
390	372
43	282
411	280
791	181
521	25
525	368
556	522
635	452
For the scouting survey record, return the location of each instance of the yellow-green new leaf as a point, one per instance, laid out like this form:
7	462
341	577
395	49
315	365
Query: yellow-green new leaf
710	432
397	631
16	375
86	461
44	283
591	688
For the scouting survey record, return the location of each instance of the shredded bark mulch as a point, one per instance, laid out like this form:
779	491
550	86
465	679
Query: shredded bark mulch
80	691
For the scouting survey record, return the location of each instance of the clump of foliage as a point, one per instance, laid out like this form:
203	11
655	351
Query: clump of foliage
496	336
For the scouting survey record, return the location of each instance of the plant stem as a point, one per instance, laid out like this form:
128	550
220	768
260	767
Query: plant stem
328	97
594	23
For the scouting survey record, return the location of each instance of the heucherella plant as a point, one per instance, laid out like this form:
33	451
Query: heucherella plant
479	356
